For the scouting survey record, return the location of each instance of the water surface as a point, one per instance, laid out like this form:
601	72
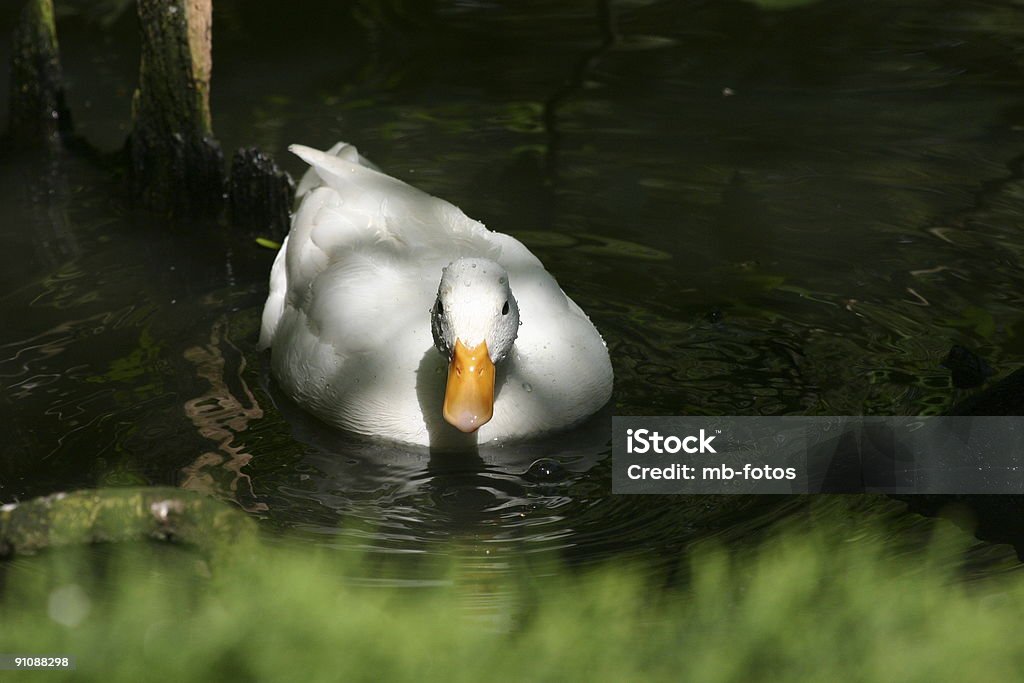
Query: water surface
763	212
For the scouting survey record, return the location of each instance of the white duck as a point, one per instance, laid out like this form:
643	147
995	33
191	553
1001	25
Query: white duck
364	337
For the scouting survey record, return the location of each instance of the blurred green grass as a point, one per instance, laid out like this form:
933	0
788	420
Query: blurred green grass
832	600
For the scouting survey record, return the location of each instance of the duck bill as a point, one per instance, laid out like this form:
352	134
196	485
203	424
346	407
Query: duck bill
469	395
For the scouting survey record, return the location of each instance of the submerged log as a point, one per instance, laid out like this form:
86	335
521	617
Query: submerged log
120	514
38	112
261	194
177	165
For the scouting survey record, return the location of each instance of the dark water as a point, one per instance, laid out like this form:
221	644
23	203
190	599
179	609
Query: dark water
763	212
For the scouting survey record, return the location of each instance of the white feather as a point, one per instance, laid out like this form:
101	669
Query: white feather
348	314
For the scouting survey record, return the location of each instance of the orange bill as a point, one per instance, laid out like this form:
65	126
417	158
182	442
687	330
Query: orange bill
469	396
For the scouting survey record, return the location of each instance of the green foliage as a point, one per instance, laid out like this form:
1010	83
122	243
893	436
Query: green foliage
830	603
268	243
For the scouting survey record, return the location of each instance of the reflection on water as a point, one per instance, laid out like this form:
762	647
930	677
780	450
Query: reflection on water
413	497
219	415
764	213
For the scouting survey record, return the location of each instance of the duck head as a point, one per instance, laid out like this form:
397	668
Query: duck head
474	321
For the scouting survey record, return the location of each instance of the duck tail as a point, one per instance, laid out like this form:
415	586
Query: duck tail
311	179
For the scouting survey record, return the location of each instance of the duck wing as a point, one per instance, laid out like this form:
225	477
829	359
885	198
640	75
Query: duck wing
355	220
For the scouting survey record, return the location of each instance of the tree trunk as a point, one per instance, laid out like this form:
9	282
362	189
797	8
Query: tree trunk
177	165
38	112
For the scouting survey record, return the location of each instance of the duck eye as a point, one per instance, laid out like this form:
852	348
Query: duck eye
504	309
